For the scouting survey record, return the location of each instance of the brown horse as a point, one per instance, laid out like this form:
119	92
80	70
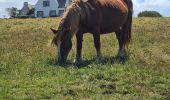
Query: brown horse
96	17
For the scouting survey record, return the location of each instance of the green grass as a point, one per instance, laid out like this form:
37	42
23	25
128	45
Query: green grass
28	69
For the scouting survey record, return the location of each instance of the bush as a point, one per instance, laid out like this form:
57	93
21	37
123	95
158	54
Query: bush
23	16
149	14
12	12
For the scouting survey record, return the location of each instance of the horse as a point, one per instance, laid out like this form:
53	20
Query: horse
96	17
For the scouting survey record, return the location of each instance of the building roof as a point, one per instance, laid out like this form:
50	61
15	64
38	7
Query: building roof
61	3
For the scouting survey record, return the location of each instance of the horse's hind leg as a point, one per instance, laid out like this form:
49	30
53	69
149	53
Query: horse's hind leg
121	51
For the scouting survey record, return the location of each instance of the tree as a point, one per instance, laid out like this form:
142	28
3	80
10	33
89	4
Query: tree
31	11
12	12
149	14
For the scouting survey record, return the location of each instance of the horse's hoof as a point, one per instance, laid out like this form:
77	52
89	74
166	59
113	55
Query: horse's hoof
99	59
121	58
77	61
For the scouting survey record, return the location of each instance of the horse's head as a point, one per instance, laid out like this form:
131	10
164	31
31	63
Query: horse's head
62	40
68	26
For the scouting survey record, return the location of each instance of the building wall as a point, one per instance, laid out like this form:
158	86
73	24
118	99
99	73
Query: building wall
25	9
46	10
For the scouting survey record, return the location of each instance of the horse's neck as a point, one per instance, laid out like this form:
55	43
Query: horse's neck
74	23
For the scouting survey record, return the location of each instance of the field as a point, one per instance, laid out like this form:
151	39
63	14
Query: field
28	69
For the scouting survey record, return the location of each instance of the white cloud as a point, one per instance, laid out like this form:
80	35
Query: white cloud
1	1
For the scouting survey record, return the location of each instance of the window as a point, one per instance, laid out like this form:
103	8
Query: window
53	13
60	13
40	14
46	3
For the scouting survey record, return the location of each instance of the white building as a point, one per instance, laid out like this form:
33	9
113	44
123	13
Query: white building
50	8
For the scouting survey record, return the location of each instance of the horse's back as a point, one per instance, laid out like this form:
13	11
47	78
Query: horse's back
113	14
118	4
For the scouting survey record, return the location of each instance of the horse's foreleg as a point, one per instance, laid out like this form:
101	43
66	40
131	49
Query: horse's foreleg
121	51
79	37
96	36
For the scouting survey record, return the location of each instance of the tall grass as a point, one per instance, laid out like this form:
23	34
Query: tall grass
28	69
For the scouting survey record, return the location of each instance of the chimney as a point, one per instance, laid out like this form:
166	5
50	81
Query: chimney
25	4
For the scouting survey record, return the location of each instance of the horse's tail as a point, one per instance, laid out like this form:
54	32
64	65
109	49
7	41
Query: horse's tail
128	24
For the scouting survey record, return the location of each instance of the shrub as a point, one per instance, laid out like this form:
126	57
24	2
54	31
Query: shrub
149	14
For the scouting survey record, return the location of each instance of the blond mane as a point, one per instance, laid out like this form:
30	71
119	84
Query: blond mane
72	16
76	11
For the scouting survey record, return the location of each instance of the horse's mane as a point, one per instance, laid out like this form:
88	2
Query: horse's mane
76	11
71	17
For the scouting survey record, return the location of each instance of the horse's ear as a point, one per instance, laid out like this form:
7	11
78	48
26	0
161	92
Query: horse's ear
54	31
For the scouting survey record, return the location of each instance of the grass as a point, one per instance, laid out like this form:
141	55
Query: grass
28	69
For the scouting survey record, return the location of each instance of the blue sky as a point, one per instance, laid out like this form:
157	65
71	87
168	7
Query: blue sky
162	6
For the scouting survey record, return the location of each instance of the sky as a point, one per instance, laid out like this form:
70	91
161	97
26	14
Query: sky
162	6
